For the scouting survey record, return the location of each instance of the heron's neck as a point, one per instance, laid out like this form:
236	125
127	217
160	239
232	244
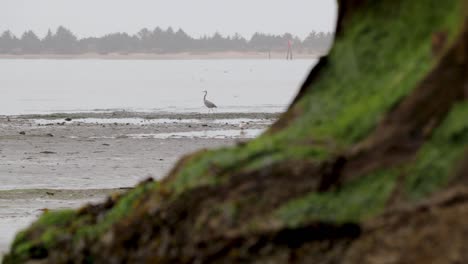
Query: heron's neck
204	98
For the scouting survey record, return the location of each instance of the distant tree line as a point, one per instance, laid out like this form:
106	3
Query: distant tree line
63	41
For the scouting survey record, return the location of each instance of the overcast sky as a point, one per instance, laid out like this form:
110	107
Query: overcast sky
196	17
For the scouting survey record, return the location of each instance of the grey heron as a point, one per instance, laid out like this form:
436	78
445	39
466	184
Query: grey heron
208	104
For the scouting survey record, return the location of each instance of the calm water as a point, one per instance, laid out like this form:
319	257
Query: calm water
45	86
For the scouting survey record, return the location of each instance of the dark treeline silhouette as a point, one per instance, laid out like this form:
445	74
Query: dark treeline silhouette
63	41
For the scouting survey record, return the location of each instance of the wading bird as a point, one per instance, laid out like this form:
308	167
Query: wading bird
208	104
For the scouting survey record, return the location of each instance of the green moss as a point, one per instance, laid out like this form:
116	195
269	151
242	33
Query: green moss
383	55
432	169
21	250
378	61
49	237
436	161
56	218
44	234
20	238
214	167
26	245
200	170
357	200
124	206
372	67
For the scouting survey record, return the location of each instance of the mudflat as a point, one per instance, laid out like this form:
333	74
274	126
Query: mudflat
61	161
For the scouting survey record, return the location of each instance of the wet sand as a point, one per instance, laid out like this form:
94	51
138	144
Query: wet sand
62	161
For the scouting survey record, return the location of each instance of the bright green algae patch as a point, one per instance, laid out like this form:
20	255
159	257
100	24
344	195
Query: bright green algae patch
437	160
356	102
380	59
431	170
214	167
57	224
362	198
124	206
53	224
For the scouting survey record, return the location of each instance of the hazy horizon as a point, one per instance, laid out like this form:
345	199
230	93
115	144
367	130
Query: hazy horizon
88	18
41	35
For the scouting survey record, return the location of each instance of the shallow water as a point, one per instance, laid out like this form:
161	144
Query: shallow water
46	86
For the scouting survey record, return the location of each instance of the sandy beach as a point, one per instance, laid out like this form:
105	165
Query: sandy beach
62	161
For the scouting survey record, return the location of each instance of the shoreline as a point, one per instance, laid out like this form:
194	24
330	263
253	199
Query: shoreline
60	194
166	56
65	160
130	146
147	115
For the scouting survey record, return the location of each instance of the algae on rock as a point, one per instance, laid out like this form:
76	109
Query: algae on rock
377	134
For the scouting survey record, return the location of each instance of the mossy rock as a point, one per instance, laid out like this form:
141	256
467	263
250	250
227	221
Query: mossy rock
376	138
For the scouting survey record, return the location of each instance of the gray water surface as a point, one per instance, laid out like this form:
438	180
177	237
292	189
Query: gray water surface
46	86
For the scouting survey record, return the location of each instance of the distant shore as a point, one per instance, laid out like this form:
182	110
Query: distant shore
166	56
